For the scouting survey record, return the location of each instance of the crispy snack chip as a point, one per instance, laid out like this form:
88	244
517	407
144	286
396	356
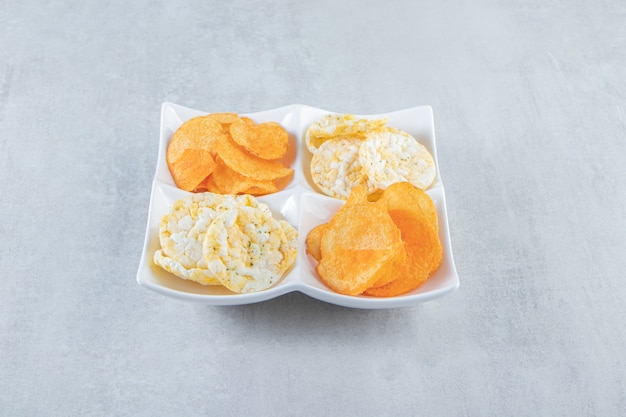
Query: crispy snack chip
413	211
360	234
313	241
193	167
233	182
266	140
251	155
197	133
237	159
384	248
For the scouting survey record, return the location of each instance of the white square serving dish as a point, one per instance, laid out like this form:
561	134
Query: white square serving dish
302	205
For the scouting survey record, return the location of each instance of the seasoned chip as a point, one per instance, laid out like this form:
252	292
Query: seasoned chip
413	211
197	133
339	273
360	245
237	159
224	118
313	241
390	156
337	125
247	249
336	169
406	196
181	234
229	181
192	168
423	256
266	140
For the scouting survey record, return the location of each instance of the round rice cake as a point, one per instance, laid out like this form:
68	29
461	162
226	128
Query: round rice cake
336	168
392	155
247	249
337	125
182	230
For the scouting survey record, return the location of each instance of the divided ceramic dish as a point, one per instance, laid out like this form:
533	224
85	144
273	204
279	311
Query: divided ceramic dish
302	205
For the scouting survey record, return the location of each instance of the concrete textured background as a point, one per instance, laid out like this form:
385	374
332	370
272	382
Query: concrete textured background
530	114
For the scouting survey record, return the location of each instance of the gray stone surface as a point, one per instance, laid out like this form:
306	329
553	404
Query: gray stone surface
530	106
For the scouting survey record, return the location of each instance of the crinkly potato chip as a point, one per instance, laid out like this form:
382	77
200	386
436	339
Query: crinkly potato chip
193	167
266	140
390	156
336	168
239	160
337	125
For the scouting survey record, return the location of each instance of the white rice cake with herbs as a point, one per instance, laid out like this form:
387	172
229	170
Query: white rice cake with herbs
337	125
182	231
247	249
336	169
392	155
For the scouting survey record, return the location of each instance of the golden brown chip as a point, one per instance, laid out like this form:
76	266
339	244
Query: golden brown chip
232	182
224	118
266	140
314	241
246	164
196	133
406	196
360	246
423	255
192	168
413	211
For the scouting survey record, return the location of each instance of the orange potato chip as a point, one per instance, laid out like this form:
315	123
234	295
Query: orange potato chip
423	256
193	166
232	182
266	140
224	118
246	164
339	273
313	241
196	133
406	196
413	211
360	246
